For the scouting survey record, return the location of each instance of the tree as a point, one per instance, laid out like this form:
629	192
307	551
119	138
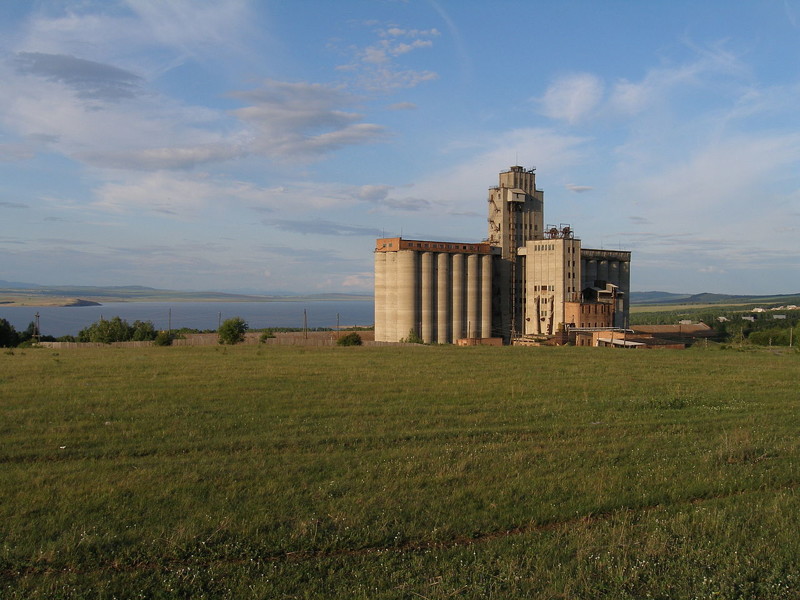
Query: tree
232	331
142	331
351	339
28	334
9	337
117	330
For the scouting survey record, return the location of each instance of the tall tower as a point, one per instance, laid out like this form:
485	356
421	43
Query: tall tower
516	210
516	215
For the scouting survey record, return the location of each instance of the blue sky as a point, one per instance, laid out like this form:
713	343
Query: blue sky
264	145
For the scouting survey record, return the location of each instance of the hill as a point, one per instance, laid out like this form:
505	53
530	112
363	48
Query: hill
666	298
18	293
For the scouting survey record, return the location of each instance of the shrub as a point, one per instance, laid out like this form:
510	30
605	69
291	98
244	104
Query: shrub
413	337
770	337
163	338
232	331
268	334
351	339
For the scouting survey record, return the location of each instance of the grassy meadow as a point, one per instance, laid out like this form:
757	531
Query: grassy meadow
399	472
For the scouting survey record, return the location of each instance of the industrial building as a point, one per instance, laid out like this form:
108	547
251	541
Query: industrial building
525	280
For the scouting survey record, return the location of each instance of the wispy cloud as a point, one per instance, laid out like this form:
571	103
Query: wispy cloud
177	194
402	106
715	69
291	119
572	97
16	152
154	159
407	203
376	66
88	78
578	188
179	29
322	227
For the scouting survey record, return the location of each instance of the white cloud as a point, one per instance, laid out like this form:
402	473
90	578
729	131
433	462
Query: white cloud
373	193
179	28
92	112
105	116
168	193
358	281
463	185
185	195
572	97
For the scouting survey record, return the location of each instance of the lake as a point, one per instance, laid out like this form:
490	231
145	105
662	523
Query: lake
62	320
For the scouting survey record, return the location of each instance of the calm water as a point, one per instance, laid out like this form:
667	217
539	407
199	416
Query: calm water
58	321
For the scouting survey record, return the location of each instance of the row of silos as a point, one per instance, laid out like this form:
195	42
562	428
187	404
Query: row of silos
441	296
610	271
610	266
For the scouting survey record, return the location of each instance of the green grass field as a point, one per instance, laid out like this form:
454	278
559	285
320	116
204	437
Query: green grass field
399	472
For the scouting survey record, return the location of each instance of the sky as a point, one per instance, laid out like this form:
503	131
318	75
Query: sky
262	146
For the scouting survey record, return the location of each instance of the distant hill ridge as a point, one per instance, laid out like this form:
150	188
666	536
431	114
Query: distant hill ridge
143	293
711	298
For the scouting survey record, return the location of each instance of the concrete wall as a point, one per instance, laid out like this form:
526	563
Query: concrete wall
552	277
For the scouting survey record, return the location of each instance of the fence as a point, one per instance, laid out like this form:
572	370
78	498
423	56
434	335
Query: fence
291	338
